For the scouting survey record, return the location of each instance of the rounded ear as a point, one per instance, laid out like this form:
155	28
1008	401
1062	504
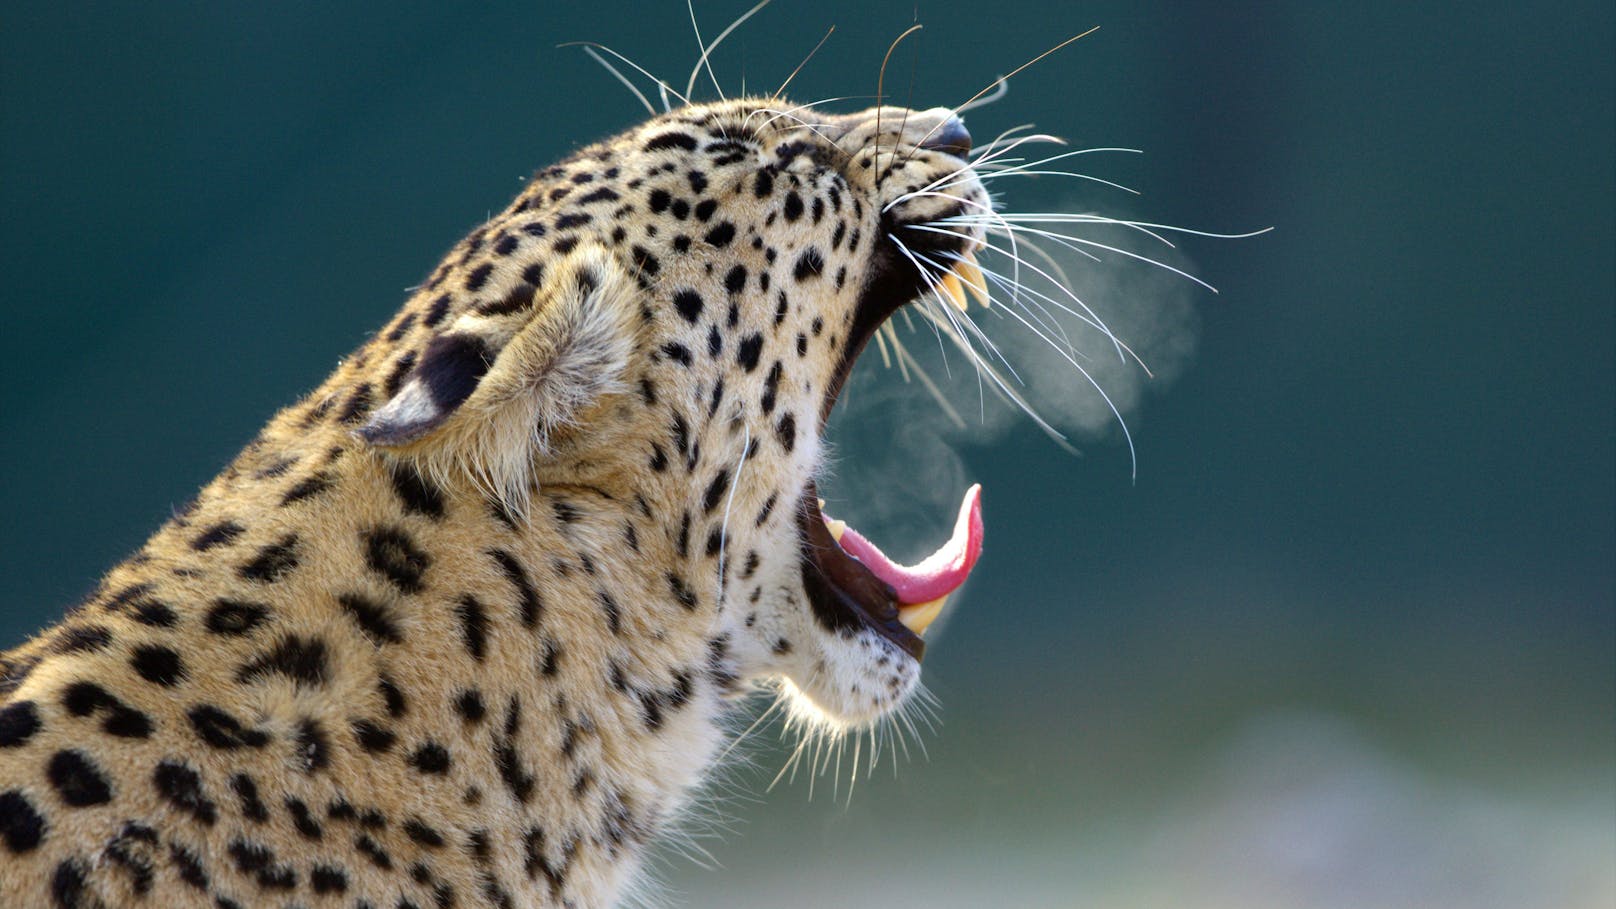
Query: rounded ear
499	380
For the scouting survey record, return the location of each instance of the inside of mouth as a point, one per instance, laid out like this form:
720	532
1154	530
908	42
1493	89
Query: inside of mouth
935	576
851	583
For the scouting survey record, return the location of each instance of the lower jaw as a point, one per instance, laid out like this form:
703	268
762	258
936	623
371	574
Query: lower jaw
845	596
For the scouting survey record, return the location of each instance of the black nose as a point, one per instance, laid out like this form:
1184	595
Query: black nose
950	137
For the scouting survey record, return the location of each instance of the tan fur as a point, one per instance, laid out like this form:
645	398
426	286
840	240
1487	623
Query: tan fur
416	647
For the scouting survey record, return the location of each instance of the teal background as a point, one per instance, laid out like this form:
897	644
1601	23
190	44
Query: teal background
1348	640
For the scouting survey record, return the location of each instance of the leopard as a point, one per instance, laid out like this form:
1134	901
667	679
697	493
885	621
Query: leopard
463	625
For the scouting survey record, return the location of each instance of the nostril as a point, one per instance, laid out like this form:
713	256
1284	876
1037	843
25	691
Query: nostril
950	137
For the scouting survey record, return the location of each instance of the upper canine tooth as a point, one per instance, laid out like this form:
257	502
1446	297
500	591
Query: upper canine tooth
971	275
952	291
836	527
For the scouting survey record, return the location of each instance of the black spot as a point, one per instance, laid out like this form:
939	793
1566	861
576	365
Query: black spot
479	276
13	672
154	614
182	787
372	737
417	830
68	883
516	779
671	140
125	722
680	209
469	704
809	265
84	698
715	491
576	219
689	304
312	746
677	352
534	274
721	234
659	200
786	429
21	826
504	246
158	665
715	541
705	209
18	723
308	488
392	697
473	626
793	206
682	591
763	184
82	639
303	820
715	342
249	856
698	181
735	280
188	866
301	660
644	261
273	562
529	605
392	554
373	618
436	312
770	386
519	299
747	354
395	376
235	617
220	534
604	194
431	758
246	790
221	730
418	494
328	879
614	616
357	405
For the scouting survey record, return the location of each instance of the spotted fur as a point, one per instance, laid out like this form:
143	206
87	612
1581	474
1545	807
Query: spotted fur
457	629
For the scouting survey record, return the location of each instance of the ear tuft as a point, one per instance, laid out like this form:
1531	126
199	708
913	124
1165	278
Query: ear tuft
501	379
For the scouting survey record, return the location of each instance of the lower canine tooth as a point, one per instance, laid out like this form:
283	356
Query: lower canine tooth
919	616
837	528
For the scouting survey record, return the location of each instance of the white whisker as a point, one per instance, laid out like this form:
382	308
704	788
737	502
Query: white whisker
623	79
1001	88
706	52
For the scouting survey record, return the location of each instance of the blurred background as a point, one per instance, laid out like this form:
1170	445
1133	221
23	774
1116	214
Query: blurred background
1347	640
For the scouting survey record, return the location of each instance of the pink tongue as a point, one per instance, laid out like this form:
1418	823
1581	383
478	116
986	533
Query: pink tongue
939	573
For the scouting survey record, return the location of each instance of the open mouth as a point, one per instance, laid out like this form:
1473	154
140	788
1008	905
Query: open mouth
851	584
